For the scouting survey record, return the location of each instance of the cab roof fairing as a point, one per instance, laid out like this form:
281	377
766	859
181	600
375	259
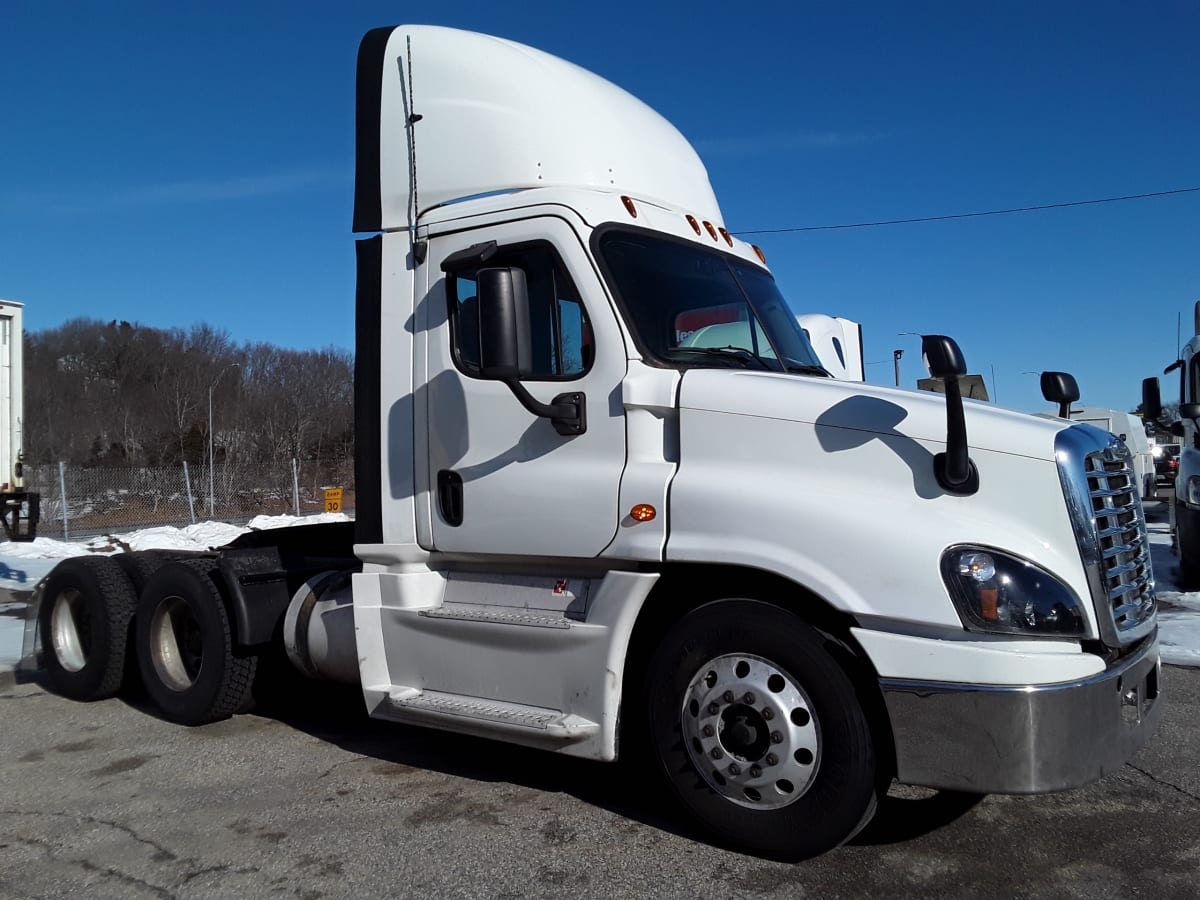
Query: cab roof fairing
488	115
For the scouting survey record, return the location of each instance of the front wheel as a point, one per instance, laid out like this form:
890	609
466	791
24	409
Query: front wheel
759	731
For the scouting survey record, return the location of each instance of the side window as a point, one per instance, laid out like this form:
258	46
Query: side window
558	324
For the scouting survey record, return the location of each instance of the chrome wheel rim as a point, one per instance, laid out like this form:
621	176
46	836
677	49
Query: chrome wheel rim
750	731
176	647
70	630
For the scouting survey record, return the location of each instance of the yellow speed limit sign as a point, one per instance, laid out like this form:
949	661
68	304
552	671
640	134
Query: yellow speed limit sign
333	500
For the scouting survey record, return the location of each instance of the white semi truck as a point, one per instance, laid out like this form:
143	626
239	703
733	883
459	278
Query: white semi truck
19	508
1186	486
582	529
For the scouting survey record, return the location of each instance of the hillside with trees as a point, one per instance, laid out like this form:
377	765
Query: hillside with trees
103	394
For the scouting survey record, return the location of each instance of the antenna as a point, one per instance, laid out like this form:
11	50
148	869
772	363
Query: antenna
413	119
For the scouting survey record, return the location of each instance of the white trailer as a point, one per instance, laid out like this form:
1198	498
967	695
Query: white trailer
584	529
1130	429
19	509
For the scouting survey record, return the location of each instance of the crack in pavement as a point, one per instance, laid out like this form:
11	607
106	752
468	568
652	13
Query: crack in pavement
1165	783
162	855
88	866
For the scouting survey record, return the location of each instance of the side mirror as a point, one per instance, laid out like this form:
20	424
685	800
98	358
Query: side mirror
942	357
506	348
1151	399
1189	410
503	309
953	469
1060	388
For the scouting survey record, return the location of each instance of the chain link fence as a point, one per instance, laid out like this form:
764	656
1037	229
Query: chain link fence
82	501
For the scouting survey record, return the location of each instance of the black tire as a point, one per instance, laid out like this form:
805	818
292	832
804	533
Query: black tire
797	770
185	648
1187	536
140	565
86	607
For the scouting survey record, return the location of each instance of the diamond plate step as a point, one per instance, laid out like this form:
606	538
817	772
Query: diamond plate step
410	702
497	615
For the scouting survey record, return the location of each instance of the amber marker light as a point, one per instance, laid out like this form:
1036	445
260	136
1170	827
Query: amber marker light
643	512
762	257
630	208
691	220
708	226
725	234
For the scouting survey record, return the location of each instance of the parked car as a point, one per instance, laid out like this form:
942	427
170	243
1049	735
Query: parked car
1166	463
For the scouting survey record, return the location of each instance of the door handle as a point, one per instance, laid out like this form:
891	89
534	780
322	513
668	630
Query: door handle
450	497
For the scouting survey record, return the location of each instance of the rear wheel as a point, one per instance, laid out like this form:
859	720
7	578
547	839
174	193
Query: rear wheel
185	649
86	607
759	732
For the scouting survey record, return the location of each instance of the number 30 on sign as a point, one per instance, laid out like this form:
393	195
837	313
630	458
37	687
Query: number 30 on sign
333	500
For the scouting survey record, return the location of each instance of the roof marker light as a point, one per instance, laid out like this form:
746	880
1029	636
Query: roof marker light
629	206
725	234
691	220
761	256
708	226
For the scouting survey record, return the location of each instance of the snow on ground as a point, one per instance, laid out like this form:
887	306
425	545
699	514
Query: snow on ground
1179	611
201	536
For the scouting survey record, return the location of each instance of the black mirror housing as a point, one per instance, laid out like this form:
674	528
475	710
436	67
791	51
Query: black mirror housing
1151	399
1060	387
1189	410
505	347
943	358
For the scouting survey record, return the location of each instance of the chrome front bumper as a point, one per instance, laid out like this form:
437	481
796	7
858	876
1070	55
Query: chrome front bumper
1024	739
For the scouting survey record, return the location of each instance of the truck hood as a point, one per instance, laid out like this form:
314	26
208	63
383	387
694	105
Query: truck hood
871	409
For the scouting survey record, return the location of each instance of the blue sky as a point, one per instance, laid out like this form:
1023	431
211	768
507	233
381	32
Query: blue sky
170	163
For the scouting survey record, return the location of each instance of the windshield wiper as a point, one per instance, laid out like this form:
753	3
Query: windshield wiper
806	369
728	352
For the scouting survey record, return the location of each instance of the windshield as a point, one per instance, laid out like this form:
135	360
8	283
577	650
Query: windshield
690	306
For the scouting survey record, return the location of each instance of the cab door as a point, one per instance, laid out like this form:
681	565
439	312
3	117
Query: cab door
502	480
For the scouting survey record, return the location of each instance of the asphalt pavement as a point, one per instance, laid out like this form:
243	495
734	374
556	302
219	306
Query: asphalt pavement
307	798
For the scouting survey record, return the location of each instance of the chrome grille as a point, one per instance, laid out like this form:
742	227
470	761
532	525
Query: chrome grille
1101	487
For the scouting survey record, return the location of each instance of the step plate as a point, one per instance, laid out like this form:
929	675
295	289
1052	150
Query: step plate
504	616
511	715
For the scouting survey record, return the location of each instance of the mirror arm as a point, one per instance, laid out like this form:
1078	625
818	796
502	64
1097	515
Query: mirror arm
954	470
566	412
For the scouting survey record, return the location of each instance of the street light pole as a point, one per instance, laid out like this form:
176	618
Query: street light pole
212	498
896	354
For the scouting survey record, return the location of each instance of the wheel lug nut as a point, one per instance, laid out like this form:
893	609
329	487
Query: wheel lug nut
713	709
768	714
709	731
735	769
755	771
727	696
715	752
776	737
771	759
748	699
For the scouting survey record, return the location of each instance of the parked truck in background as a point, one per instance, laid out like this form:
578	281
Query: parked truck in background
19	508
1130	429
584	529
1185	483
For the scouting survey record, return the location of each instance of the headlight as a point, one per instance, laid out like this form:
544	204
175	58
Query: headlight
1000	593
